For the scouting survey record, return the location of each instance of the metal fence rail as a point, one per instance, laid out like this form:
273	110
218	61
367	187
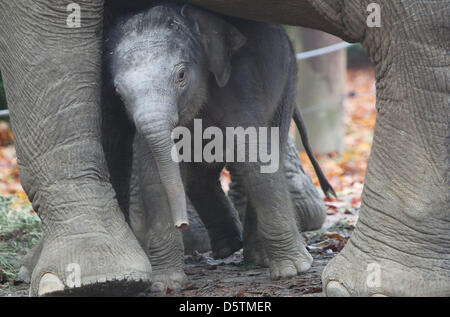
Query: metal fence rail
300	56
323	50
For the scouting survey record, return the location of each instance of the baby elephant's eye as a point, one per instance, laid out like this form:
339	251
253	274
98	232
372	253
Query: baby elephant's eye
181	77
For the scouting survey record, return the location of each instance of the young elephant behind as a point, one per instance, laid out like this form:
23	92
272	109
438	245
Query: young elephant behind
171	64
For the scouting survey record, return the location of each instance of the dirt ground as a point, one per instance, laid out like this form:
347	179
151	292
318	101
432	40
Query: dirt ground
231	277
239	280
234	279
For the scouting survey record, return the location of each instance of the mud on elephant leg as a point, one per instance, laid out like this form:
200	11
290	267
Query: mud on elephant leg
214	208
310	210
151	220
52	82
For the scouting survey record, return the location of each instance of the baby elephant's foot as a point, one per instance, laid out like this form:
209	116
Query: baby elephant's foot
256	256
167	279
226	246
291	266
288	268
254	251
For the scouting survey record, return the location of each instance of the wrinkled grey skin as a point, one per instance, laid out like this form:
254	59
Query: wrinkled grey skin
162	243
195	237
52	75
171	64
310	213
310	210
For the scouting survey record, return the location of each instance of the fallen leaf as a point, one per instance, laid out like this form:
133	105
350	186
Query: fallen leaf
241	293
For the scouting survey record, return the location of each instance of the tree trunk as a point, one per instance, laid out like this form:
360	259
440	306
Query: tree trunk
321	90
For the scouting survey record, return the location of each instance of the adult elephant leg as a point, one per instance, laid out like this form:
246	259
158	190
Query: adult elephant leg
151	220
52	77
401	245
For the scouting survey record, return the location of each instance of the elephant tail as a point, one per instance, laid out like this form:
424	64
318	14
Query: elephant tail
324	184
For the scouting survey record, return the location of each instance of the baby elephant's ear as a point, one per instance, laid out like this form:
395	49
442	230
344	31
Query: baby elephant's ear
220	40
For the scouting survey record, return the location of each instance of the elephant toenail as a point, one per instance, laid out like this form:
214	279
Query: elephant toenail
50	284
288	272
335	289
378	295
304	266
275	274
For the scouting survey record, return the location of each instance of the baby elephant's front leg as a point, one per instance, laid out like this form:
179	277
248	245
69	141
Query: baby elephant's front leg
151	221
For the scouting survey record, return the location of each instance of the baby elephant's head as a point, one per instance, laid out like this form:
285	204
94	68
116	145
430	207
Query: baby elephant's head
163	64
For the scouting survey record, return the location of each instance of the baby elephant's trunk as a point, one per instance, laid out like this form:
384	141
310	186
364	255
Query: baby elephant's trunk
159	139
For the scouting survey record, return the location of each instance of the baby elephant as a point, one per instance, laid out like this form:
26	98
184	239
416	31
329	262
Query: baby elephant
178	66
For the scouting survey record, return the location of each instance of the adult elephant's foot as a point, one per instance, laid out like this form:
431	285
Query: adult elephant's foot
363	269
357	273
386	257
168	279
87	248
90	264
